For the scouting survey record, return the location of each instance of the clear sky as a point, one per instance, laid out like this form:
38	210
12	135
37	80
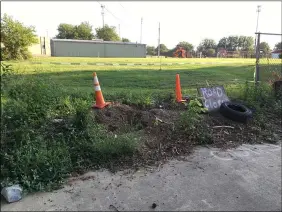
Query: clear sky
180	20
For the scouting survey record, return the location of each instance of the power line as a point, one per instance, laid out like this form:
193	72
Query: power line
121	5
109	12
113	14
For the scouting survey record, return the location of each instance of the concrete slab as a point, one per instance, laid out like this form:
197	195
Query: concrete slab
244	179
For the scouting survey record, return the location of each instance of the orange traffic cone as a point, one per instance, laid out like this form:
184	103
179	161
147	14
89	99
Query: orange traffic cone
100	102
178	90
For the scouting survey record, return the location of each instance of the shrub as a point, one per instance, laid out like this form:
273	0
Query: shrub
190	124
46	134
6	72
15	39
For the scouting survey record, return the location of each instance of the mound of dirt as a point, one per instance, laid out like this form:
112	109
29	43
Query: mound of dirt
117	117
162	141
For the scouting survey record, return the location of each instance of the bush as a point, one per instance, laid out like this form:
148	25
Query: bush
210	53
280	56
15	39
190	124
6	72
46	134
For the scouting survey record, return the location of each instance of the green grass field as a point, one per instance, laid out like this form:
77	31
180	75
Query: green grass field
131	80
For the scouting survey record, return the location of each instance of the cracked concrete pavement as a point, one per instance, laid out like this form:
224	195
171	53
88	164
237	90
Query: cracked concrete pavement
247	178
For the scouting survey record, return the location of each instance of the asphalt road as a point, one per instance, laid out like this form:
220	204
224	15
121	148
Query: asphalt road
244	179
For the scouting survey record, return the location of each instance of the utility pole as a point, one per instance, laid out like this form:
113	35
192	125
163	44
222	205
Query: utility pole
141	30
119	30
103	13
159	40
258	11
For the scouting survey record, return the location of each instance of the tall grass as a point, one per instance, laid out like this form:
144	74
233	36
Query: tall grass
46	134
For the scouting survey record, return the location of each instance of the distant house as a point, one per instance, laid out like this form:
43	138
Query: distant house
275	54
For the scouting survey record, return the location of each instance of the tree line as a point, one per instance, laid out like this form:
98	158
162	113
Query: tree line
209	47
84	31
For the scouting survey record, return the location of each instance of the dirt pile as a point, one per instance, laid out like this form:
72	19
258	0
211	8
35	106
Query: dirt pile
162	140
118	117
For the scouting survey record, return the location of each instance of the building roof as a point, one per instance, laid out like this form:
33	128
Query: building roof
97	41
277	51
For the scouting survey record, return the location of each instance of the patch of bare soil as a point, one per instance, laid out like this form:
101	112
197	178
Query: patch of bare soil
162	141
230	134
118	117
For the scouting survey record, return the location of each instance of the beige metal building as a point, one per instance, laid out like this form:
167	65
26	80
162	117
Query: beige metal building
96	48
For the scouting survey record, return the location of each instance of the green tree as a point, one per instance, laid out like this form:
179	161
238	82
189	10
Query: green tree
264	47
278	46
125	40
246	43
210	52
107	33
187	46
15	39
163	49
206	44
233	43
222	43
83	31
66	31
151	50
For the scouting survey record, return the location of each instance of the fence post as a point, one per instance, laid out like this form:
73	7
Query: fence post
257	58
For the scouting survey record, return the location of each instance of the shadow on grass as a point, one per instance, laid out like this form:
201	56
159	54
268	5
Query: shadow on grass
134	79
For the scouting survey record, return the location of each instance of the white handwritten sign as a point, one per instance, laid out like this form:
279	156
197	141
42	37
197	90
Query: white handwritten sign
213	97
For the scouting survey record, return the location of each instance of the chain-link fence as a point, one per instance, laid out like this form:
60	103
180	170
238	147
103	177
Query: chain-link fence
268	58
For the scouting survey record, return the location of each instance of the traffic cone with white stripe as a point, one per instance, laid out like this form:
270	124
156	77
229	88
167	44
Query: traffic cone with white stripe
100	102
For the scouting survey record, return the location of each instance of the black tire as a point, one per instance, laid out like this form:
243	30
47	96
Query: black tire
235	111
